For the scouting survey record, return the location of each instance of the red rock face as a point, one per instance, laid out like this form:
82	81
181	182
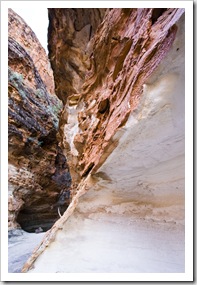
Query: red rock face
69	32
111	70
38	170
20	32
116	79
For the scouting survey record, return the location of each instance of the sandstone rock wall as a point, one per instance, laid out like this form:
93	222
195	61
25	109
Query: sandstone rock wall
111	70
70	30
38	170
123	131
70	38
20	32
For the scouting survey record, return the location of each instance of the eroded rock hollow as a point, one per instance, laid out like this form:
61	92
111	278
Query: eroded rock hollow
120	76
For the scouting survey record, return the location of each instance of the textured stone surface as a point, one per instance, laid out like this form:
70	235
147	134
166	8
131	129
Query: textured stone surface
119	58
38	170
20	32
126	151
69	32
70	37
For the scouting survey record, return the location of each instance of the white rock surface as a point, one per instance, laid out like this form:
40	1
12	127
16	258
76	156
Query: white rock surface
88	245
20	246
132	217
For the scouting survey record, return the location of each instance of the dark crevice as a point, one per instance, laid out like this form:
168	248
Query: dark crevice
104	106
43	212
157	12
89	169
40	211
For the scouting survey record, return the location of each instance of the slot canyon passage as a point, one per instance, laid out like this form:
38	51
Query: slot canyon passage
104	143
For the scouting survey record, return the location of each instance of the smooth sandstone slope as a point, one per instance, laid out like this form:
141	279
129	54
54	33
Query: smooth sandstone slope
127	214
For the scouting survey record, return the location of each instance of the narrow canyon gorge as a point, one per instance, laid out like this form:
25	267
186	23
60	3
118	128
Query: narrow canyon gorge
97	141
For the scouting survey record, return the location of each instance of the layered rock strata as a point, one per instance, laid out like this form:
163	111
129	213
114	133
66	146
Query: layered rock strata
19	31
123	131
38	171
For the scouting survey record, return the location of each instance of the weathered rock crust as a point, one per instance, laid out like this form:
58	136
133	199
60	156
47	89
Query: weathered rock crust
19	31
38	171
127	47
69	32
